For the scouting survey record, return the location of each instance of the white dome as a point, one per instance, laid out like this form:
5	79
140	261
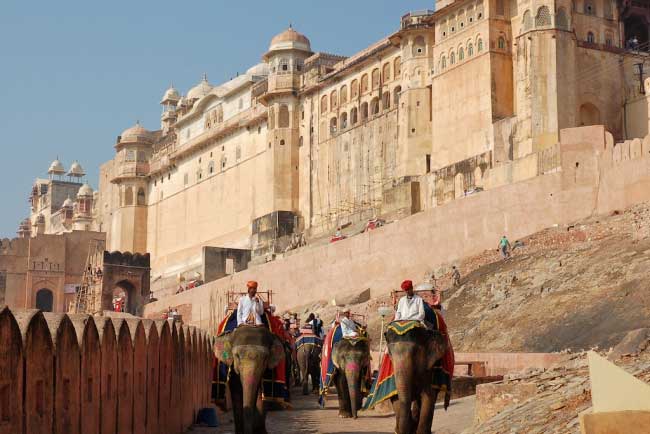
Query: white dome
137	133
56	168
200	90
68	203
171	94
290	40
76	170
85	191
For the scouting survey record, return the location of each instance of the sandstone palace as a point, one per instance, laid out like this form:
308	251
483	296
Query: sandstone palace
460	101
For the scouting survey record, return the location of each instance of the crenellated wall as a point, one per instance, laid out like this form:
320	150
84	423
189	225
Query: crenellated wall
77	374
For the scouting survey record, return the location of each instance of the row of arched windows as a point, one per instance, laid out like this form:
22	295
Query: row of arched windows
389	71
543	19
128	198
592	38
365	110
283	117
455	56
462	19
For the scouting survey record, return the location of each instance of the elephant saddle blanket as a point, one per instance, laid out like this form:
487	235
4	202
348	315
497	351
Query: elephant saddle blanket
308	337
383	386
275	386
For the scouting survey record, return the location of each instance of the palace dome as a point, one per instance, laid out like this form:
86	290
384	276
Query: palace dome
76	170
85	190
200	90
68	203
290	39
171	94
56	168
137	133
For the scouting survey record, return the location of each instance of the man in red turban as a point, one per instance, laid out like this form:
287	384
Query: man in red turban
411	306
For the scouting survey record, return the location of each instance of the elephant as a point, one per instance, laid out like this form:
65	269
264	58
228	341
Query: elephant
351	359
249	351
309	361
414	355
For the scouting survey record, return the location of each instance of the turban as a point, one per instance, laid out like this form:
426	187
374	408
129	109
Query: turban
251	284
407	284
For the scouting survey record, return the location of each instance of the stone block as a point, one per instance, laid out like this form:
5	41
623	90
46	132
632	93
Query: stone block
491	399
618	422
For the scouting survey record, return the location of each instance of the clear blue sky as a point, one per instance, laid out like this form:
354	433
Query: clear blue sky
74	74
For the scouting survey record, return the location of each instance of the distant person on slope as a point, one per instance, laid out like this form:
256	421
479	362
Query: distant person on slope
410	306
504	247
455	276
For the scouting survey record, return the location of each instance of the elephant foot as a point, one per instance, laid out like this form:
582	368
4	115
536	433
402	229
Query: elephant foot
345	414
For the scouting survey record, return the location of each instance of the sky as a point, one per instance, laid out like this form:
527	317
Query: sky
74	74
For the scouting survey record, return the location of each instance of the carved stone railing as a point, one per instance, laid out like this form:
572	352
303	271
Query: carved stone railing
78	374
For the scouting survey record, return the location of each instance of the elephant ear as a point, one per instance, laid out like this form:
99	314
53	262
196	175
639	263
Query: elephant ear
436	348
277	353
223	349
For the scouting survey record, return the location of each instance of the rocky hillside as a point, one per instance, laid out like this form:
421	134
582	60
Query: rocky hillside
573	287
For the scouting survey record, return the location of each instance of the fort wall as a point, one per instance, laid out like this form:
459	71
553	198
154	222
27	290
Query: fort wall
595	176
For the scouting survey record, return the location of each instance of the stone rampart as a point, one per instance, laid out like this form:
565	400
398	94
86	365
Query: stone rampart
76	374
590	180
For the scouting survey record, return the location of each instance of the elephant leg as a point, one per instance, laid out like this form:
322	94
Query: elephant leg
427	404
396	409
345	406
304	370
260	421
315	374
237	397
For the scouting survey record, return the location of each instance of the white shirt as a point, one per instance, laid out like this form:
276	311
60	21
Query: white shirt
249	307
348	327
410	308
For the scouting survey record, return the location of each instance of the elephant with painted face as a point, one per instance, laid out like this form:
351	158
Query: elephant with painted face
351	358
249	351
308	356
414	355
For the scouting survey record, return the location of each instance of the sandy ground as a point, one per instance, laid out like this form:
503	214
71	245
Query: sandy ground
306	417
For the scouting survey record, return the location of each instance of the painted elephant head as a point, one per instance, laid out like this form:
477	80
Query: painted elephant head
250	351
352	360
414	355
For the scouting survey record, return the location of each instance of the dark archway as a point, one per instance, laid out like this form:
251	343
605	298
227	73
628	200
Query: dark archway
636	25
45	300
589	115
123	294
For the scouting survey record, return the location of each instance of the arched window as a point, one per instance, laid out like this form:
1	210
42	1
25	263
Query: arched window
543	17
385	100
333	124
343	94
591	38
470	49
354	116
443	62
452	58
344	120
374	106
590	7
283	116
561	20
211	167
386	72
396	92
45	300
141	197
375	79
397	67
609	39
364	111
128	196
334	100
527	20
354	89
479	45
461	54
501	43
419	46
589	115
224	161
323	104
364	83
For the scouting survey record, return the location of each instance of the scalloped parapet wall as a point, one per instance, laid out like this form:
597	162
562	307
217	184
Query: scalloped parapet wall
66	362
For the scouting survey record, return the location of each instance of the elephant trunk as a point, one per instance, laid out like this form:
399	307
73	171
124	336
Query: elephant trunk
353	378
404	368
251	376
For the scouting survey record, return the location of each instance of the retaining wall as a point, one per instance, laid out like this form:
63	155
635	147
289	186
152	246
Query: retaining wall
69	374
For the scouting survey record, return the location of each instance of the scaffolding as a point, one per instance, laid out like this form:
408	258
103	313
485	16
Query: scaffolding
88	299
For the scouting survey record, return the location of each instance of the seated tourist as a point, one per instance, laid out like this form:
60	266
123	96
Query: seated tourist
348	326
411	306
250	308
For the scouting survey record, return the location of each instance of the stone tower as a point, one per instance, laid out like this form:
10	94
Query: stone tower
169	105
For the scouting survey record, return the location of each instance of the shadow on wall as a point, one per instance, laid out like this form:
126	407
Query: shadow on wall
57	371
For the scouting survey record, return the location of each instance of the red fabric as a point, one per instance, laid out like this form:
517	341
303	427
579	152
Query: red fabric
385	368
448	359
407	284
